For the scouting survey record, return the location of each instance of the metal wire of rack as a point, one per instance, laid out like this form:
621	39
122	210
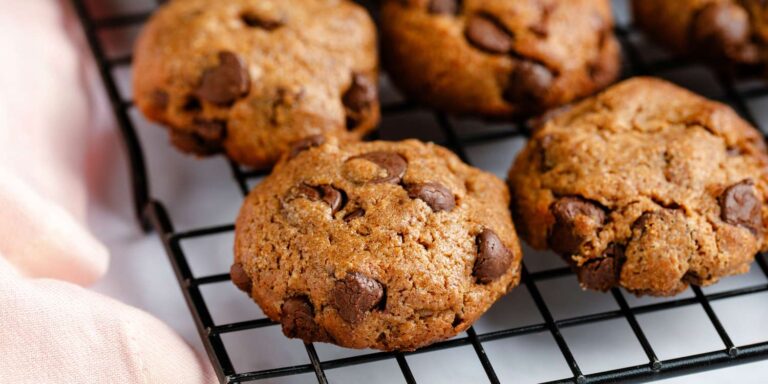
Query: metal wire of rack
153	215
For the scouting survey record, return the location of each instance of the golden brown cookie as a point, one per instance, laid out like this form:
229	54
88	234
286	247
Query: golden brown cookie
730	32
645	186
498	58
388	245
250	77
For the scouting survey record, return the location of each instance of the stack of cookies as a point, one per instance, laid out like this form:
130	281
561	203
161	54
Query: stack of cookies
396	245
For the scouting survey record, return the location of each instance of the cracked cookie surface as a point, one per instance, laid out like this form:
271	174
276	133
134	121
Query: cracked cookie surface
645	186
388	245
497	58
730	33
248	78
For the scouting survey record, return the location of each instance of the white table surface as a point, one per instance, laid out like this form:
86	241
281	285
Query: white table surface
201	193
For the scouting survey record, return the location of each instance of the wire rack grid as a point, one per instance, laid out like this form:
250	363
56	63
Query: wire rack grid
152	214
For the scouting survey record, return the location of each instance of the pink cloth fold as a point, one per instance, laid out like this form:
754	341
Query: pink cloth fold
57	332
53	330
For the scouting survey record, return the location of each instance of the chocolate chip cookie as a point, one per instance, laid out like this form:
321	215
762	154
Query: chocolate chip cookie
388	245
645	186
726	32
248	78
496	58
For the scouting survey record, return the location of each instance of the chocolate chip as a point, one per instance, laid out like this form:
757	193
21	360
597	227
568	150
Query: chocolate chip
226	82
211	131
602	273
438	197
189	142
487	34
259	21
575	220
740	206
355	295
358	99
598	274
444	7
332	196
691	277
529	83
360	94
298	320
493	258
204	138
307	192
393	163
240	278
359	212
305	144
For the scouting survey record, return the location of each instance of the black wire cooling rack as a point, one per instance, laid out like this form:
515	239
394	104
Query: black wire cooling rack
152	214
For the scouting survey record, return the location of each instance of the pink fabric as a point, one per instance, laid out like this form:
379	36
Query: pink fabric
51	329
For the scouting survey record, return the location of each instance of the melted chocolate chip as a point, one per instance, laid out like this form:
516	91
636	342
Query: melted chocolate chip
575	220
438	197
739	206
358	100
226	82
488	35
359	212
298	320
493	258
212	131
305	144
332	196
361	93
328	194
691	277
598	274
240	278
602	273
529	83
205	137
307	192
444	7
259	21
393	163
355	295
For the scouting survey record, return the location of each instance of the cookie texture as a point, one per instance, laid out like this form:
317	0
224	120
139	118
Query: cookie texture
499	59
729	33
388	245
250	77
645	186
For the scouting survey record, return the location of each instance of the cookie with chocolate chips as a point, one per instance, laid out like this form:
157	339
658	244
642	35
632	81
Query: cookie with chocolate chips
645	186
727	33
499	59
388	245
250	78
